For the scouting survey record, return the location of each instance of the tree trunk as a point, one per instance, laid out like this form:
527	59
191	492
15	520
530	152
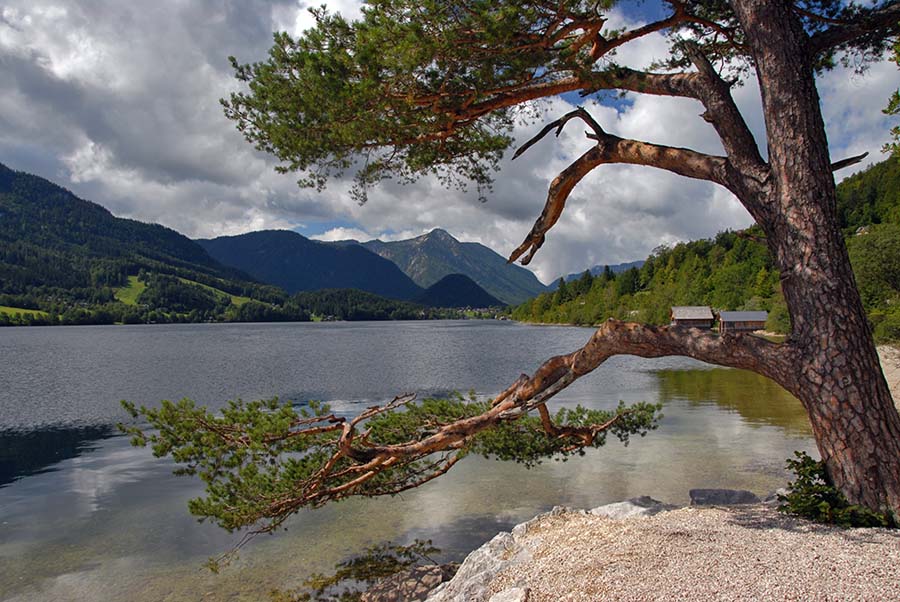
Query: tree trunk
836	372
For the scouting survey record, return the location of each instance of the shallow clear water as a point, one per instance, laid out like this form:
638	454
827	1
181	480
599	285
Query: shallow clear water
85	516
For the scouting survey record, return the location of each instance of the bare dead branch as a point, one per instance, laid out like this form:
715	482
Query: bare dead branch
848	161
558	125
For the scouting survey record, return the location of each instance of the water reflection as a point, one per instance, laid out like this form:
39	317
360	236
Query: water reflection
757	399
24	453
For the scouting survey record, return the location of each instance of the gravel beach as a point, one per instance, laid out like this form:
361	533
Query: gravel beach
735	553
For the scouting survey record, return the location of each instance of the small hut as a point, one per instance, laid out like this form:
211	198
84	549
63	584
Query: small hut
742	321
692	316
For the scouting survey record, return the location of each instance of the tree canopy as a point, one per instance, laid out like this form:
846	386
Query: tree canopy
435	87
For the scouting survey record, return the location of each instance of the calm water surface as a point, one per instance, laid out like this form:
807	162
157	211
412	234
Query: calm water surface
83	516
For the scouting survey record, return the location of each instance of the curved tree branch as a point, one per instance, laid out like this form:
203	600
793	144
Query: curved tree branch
603	46
613	337
610	149
614	78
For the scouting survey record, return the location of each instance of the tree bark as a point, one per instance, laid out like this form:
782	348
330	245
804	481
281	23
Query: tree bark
836	372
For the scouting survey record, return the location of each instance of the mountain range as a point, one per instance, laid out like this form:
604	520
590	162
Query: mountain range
295	263
60	254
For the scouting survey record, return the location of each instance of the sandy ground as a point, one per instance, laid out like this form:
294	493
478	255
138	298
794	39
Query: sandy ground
738	553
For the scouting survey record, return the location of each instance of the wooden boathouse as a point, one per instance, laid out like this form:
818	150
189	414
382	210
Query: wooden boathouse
742	321
692	316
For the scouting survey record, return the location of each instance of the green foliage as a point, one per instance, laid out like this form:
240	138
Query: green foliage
524	441
812	495
875	256
171	294
352	305
345	89
893	108
871	196
887	324
130	292
354	576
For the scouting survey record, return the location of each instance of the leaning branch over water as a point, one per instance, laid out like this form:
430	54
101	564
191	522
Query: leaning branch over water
264	461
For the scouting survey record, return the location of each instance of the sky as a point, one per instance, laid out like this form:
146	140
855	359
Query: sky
119	102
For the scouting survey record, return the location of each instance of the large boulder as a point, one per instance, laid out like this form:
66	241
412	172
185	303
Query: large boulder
479	569
635	507
483	565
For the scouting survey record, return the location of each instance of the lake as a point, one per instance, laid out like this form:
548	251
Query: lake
84	516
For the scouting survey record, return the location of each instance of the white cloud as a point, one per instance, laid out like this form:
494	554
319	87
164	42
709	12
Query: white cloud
296	19
343	234
119	102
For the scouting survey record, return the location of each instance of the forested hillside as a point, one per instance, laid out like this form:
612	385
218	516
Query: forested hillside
348	304
457	290
70	261
871	196
734	271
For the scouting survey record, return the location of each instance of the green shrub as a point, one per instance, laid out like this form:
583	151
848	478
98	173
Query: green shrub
815	497
886	324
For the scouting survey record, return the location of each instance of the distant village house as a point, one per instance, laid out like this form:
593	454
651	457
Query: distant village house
692	316
742	321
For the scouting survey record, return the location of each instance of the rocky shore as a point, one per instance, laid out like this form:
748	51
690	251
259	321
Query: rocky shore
645	550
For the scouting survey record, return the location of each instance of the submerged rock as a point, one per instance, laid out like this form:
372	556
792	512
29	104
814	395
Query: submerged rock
409	586
722	497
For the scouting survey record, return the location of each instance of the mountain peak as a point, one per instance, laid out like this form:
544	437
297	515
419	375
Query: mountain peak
439	234
429	257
